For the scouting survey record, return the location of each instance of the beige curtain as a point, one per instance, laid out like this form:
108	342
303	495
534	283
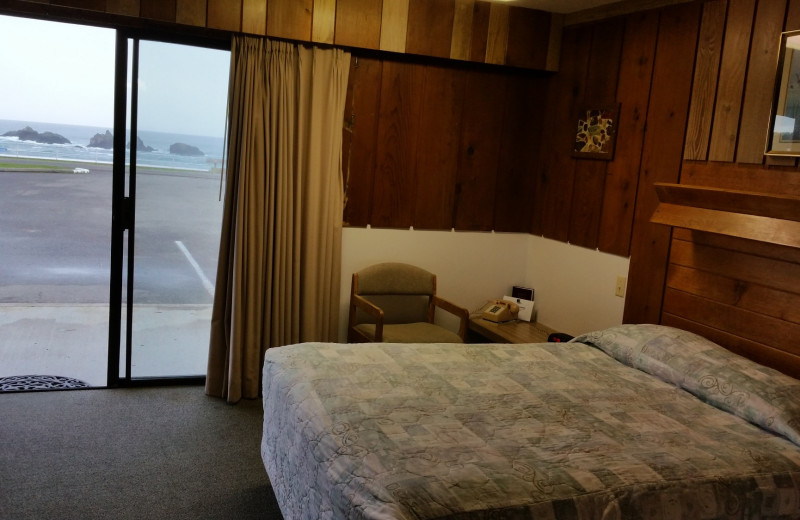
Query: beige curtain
280	251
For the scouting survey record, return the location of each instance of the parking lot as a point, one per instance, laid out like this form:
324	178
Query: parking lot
55	267
55	236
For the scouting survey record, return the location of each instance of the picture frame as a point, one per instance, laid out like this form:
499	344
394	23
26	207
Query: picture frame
783	137
596	131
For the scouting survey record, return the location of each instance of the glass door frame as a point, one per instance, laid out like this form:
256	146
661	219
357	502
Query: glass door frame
123	207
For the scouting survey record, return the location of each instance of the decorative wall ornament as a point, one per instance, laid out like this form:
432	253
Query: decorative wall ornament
596	131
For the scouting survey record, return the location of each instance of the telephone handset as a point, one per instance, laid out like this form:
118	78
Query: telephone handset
500	310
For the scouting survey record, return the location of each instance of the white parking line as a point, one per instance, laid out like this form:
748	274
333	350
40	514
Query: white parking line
206	282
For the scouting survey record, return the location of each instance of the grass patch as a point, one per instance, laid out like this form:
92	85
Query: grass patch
25	166
57	166
34	167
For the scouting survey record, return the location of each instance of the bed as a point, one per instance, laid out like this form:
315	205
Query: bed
636	421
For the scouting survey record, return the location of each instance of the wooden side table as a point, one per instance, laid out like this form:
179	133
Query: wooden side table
509	332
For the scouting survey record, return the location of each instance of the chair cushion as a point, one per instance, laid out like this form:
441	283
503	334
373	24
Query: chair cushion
420	332
395	278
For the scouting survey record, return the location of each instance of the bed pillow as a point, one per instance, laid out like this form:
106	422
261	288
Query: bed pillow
719	377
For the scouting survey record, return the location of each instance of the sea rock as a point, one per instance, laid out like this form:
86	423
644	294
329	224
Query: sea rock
185	149
29	134
52	138
141	147
102	140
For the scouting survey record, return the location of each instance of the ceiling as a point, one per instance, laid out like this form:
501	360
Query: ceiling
559	6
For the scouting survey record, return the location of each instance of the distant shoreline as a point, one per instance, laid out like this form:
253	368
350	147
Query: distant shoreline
42	165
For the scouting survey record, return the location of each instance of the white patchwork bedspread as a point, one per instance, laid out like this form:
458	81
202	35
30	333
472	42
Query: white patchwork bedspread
553	431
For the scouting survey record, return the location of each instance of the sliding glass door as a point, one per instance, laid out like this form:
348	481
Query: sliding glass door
123	150
173	206
56	99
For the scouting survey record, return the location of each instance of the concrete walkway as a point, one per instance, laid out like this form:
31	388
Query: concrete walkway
72	340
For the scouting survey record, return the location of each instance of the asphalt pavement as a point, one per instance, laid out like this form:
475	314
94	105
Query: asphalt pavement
55	235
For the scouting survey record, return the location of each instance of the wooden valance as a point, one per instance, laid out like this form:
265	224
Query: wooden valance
764	217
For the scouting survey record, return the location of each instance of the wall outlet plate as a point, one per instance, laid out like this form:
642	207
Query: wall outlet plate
619	289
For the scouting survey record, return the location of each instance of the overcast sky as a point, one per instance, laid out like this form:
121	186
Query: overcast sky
64	73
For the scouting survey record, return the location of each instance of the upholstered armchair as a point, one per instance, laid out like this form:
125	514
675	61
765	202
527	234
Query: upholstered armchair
396	303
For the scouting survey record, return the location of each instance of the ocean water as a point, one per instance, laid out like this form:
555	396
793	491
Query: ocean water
79	150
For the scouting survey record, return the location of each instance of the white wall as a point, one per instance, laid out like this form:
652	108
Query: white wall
574	286
469	267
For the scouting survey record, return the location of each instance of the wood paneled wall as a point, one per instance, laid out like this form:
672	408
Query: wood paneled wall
438	146
694	83
742	294
468	30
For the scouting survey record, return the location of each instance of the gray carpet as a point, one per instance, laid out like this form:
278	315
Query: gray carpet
168	452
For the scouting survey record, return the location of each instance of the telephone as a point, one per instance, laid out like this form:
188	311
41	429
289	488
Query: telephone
500	310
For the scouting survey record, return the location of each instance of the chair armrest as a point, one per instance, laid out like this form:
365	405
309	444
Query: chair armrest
370	308
460	312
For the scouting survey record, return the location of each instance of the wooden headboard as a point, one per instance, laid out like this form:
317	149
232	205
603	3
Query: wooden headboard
734	270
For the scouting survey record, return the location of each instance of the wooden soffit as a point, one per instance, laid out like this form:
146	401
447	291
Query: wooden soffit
464	30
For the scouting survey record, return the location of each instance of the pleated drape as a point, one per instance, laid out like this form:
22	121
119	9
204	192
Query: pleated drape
280	248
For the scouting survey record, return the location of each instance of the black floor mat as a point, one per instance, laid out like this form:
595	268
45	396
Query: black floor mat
23	383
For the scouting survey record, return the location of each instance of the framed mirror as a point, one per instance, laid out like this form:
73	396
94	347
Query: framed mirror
784	124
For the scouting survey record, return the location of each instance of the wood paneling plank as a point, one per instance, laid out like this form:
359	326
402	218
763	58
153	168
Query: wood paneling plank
480	31
754	125
323	21
584	218
438	147
751	227
730	291
769	272
289	19
617	8
365	86
557	173
777	333
554	45
348	122
89	5
191	12
744	177
225	14
792	16
783	253
131	8
162	10
461	41
757	351
661	157
497	40
706	74
725	126
394	25
523	124
398	126
358	23
622	174
528	38
590	175
482	125
774	206
430	27
254	17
